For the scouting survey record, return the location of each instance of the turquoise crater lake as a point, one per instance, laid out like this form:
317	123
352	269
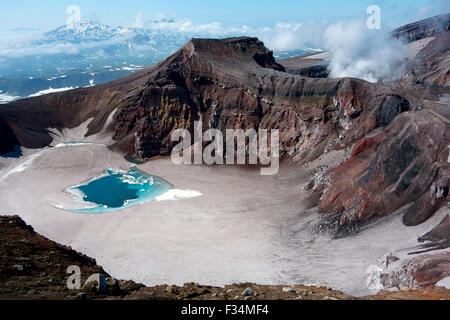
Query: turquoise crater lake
119	189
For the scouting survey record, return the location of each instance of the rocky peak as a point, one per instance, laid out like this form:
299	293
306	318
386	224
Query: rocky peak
227	52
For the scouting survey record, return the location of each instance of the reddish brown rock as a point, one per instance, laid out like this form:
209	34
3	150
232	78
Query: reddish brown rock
390	170
432	64
419	272
441	232
438	237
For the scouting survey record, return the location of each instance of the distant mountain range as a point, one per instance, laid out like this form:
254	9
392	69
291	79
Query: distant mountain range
86	53
82	31
82	54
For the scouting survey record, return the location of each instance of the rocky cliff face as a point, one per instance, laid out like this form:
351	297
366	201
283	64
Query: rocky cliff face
431	66
391	169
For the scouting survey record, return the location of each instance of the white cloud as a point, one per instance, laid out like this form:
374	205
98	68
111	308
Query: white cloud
293	35
362	53
139	21
26	43
163	23
22	43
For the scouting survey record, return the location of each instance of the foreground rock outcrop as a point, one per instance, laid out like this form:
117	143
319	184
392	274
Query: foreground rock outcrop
33	266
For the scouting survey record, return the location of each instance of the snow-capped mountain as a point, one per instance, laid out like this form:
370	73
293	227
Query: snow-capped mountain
96	39
89	31
84	53
82	31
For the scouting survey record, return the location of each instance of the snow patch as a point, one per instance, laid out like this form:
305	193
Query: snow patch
21	167
374	279
29	160
5	97
177	194
448	159
50	90
131	68
444	283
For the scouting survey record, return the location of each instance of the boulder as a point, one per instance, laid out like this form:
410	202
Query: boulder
248	292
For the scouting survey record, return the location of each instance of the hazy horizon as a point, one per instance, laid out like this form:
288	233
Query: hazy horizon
50	14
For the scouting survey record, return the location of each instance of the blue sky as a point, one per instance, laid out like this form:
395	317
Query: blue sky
52	13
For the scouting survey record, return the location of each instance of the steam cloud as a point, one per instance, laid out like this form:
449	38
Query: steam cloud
292	35
366	54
